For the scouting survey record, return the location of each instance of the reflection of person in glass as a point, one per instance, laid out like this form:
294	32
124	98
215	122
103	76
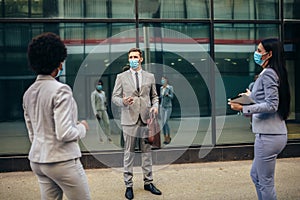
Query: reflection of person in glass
132	93
166	96
125	68
272	97
50	113
99	105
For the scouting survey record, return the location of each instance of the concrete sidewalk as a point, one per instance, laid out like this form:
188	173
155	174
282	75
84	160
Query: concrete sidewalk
208	181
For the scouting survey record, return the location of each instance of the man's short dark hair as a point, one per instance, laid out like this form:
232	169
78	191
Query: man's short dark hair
45	53
136	50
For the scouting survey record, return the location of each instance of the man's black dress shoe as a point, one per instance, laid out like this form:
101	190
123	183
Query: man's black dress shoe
129	193
150	187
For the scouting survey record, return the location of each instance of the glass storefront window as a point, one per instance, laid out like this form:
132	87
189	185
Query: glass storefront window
68	9
181	9
164	9
1	8
96	9
234	47
292	61
174	9
198	9
246	9
71	9
244	33
291	9
198	31
123	9
234	44
16	8
37	8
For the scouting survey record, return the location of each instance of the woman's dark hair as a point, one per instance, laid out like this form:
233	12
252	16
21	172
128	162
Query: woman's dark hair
100	82
45	53
277	63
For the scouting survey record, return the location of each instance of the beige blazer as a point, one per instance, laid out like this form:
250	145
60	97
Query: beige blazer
124	85
97	102
50	114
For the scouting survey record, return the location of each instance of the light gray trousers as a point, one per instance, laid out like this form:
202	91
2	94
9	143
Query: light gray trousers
104	123
131	133
266	149
63	177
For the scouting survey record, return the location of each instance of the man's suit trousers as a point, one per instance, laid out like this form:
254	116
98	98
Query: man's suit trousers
131	134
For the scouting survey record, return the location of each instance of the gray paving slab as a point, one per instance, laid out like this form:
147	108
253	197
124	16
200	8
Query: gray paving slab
195	181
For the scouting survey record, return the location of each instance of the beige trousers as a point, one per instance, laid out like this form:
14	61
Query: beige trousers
66	177
131	134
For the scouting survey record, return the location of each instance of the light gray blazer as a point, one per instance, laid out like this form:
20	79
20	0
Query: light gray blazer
124	85
265	118
50	114
97	102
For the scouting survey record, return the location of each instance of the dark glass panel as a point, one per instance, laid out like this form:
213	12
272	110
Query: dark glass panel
246	9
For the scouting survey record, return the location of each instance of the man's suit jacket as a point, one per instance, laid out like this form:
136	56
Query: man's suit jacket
50	113
265	118
124	86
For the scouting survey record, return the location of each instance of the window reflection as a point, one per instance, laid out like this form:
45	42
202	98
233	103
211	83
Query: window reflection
197	9
198	31
234	47
234	44
71	8
170	9
291	9
37	8
246	9
122	9
96	8
16	8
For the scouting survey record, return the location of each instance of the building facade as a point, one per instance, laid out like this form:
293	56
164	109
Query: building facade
204	47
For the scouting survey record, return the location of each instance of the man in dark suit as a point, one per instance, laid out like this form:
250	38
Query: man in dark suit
132	93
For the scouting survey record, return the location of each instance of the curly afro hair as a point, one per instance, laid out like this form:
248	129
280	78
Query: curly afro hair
45	53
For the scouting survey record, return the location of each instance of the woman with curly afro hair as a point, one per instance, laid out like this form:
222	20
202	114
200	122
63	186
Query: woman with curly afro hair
50	113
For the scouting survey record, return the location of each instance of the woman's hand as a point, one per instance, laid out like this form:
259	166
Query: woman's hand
86	125
248	92
235	106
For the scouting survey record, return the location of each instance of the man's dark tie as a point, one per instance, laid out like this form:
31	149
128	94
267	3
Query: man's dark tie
137	81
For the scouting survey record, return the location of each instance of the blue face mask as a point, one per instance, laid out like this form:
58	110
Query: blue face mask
99	87
163	81
59	73
134	63
257	58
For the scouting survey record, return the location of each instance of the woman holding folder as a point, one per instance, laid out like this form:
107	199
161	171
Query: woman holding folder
272	102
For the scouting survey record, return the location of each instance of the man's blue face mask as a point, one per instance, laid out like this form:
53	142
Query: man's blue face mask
134	63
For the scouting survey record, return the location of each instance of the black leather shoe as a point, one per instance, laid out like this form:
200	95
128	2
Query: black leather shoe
150	187
129	193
